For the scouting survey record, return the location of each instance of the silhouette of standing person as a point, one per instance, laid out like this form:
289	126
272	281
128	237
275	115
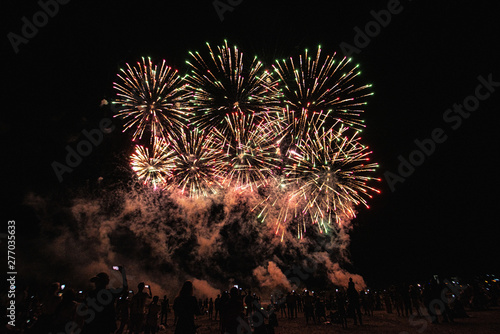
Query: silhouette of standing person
387	302
186	307
293	302
137	308
370	301
122	308
273	320
341	312
249	303
299	303
350	285
288	301
103	302
231	311
210	309
309	307
217	306
164	310
66	313
152	316
354	308
282	306
415	296
259	325
48	308
404	291
320	310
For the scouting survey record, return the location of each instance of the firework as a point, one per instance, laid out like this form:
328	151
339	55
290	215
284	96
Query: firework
318	90
331	175
251	153
278	207
224	87
151	99
153	168
196	160
228	125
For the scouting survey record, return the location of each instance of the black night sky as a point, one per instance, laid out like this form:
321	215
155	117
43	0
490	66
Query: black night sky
443	219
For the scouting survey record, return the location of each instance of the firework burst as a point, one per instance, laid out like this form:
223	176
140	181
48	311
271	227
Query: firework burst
197	169
330	172
278	208
151	98
223	88
251	153
318	90
228	126
154	167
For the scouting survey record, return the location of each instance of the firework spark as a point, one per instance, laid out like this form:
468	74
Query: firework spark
251	153
331	176
228	125
196	159
318	90
153	168
151	98
223	87
278	208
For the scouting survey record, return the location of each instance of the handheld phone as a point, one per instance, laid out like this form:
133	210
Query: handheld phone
116	268
63	286
147	286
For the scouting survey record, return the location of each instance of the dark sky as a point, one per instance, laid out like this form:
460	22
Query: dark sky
442	219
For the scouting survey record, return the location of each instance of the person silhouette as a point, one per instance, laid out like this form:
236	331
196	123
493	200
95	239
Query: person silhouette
48	308
258	322
231	311
282	305
66	313
415	297
350	285
370	302
293	304
341	314
152	316
273	319
210	308
354	308
122	308
217	306
200	305
186	307
165	308
299	303
105	317
404	291
320	310
309	307
387	302
288	301
249	303
138	308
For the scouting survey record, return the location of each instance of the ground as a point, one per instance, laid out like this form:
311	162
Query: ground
481	322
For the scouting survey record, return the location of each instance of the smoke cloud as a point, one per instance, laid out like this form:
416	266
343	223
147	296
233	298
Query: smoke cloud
271	277
164	239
